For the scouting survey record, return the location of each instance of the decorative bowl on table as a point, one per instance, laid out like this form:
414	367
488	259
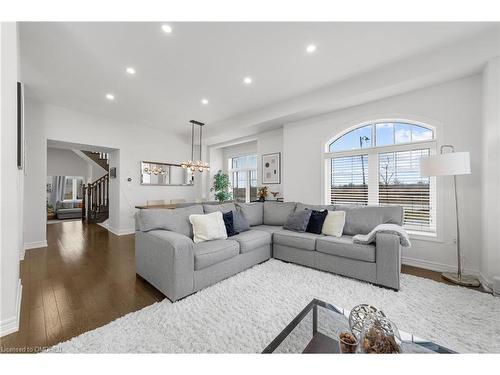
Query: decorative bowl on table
359	313
379	336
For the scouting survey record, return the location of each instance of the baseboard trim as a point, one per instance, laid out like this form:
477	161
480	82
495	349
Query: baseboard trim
441	267
104	224
30	246
11	325
435	266
35	245
117	232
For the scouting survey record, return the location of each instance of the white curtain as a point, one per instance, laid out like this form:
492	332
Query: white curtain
57	193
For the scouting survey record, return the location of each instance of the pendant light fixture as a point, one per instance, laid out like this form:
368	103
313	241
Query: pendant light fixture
195	165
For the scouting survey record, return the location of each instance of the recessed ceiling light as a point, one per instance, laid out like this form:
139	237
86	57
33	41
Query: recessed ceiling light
247	80
311	48
110	97
166	28
204	101
130	70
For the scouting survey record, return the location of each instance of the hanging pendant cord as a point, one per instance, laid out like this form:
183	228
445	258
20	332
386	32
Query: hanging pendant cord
192	142
201	129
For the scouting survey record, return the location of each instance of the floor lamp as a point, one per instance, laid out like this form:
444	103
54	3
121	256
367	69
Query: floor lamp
450	164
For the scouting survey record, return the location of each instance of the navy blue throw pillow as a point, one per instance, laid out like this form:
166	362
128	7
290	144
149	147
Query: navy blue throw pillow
316	221
229	223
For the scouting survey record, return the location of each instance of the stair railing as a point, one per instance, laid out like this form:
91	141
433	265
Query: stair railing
95	196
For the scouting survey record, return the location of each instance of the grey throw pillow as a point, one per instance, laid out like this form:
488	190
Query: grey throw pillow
240	222
298	221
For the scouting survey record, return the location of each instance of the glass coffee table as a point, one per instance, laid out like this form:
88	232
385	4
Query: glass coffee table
315	330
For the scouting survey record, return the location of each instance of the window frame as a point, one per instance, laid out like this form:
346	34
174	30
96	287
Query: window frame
74	188
373	169
248	172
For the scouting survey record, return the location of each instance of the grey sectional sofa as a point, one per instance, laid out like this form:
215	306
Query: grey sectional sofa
68	210
167	257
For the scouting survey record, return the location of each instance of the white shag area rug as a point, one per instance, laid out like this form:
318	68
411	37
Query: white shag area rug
244	313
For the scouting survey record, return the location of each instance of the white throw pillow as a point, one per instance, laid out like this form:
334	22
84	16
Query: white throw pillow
334	223
208	227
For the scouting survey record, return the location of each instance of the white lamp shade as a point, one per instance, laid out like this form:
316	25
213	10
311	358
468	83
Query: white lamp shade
449	164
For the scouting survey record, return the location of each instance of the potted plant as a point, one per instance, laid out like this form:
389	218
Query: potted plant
221	187
262	193
51	214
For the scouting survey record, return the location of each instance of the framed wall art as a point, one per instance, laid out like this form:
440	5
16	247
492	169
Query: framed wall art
271	168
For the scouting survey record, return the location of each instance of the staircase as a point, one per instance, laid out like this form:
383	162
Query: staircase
100	158
95	202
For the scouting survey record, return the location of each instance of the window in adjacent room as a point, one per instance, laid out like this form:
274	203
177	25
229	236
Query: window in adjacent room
243	176
73	188
378	163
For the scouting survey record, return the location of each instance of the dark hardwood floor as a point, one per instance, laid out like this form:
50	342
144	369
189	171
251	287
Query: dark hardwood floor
84	279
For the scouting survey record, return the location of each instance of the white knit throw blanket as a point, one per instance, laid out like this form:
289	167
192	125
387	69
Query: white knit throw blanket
395	229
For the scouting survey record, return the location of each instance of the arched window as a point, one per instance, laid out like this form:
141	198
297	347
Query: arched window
378	163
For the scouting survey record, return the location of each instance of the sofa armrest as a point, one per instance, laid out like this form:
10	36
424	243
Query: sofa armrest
166	260
388	258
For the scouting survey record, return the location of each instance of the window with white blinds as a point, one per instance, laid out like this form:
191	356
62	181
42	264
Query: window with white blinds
378	163
243	173
349	180
400	184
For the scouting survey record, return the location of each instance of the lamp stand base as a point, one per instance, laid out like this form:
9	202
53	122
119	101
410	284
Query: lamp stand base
464	280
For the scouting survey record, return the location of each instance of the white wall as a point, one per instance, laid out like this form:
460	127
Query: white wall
490	256
455	109
240	149
270	142
61	162
267	142
11	184
133	144
216	160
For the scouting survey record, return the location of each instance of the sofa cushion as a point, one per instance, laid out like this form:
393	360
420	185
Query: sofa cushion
252	239
303	241
317	207
276	213
69	213
253	212
268	228
208	227
362	219
344	247
69	210
209	253
224	207
175	220
298	221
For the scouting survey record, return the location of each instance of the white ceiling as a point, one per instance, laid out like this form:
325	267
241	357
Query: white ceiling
76	64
